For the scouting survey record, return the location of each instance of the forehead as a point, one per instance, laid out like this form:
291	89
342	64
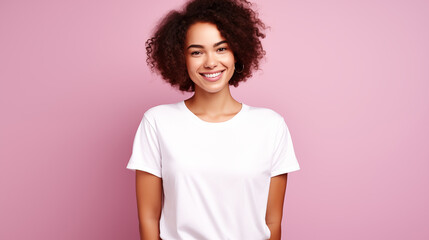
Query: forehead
203	34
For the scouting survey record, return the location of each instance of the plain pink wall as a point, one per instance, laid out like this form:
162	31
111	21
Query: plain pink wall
350	77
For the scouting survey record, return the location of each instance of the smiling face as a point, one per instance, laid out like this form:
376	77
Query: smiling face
209	61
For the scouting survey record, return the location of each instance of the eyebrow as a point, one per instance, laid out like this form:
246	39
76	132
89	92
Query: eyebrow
200	46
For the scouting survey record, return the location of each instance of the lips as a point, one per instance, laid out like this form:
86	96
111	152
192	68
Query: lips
213	76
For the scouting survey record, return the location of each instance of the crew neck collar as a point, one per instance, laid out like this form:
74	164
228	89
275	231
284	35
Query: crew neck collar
244	108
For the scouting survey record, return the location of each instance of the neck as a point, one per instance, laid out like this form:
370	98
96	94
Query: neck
213	104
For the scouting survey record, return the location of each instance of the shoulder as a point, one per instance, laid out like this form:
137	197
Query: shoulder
162	111
267	115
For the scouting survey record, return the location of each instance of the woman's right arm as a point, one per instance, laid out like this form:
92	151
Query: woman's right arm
149	204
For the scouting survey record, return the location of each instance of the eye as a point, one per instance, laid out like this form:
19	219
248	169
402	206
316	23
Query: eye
222	49
195	53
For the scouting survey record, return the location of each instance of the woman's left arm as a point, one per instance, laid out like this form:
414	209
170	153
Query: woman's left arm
274	214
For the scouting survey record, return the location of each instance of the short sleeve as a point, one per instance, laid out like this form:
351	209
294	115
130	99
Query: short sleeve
146	154
284	159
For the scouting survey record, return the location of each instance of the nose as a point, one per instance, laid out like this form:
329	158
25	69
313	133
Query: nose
211	61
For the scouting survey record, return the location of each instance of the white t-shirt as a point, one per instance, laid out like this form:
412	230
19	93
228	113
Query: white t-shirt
216	176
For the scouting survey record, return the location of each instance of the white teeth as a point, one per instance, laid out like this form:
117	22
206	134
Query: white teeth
212	75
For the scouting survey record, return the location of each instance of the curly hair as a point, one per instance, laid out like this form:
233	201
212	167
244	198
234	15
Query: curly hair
236	22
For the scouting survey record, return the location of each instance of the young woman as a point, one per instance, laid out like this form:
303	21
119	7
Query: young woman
210	167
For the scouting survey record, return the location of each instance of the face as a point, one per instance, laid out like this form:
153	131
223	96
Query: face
209	60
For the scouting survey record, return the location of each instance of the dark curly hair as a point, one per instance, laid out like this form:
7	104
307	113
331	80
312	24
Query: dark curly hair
236	22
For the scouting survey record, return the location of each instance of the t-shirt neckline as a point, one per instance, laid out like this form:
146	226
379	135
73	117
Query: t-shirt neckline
244	107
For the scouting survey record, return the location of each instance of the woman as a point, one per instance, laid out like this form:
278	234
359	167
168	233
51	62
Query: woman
210	167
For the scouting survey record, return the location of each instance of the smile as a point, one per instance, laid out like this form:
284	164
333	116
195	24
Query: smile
212	76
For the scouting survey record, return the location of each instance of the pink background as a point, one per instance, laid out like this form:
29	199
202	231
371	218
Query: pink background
350	77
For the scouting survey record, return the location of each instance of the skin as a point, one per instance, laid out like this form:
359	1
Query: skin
212	101
206	51
274	214
149	204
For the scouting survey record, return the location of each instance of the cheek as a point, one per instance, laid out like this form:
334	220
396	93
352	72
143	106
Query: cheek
192	64
230	59
192	68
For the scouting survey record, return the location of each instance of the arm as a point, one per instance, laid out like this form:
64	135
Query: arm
149	197
274	214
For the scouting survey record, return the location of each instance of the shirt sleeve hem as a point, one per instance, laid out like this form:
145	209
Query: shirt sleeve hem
286	170
145	169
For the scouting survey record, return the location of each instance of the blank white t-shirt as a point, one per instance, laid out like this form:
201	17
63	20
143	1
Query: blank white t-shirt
216	176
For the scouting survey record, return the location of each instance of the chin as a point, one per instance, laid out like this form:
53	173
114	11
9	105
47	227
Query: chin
212	89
